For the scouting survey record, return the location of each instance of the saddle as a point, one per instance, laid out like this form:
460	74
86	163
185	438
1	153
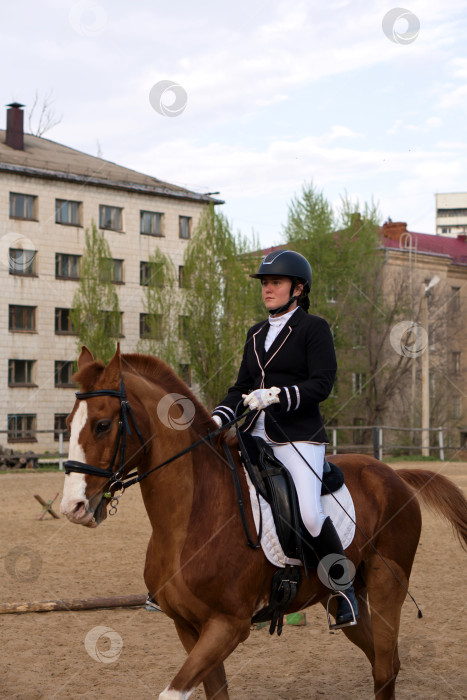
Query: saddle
274	483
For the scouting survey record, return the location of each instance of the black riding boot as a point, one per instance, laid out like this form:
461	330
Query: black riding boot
337	574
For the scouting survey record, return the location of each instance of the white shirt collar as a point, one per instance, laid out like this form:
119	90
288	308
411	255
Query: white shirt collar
281	320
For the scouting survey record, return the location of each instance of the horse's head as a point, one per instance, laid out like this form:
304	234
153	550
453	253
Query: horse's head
96	439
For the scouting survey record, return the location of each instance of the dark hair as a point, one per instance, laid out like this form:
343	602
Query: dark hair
303	299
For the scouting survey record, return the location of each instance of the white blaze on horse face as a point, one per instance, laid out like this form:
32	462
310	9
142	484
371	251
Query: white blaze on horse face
175	694
75	484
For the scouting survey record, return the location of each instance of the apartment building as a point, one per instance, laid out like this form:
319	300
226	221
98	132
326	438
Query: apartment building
451	214
49	195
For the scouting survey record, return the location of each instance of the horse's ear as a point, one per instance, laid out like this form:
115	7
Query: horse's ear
113	371
85	358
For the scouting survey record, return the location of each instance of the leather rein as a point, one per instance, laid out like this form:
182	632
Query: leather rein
118	479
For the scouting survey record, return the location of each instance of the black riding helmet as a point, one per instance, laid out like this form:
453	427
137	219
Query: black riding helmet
286	263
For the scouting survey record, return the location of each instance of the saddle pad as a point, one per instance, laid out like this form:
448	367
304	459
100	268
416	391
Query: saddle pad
269	540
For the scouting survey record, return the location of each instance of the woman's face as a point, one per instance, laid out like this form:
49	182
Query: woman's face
276	291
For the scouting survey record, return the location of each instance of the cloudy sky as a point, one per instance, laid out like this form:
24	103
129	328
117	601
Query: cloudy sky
272	95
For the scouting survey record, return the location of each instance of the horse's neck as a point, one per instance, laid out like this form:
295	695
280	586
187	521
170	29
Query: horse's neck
192	485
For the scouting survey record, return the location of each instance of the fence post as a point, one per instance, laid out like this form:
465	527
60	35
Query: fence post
60	449
441	444
374	430
380	444
334	441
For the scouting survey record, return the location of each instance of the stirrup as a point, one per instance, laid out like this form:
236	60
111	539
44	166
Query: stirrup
151	604
333	625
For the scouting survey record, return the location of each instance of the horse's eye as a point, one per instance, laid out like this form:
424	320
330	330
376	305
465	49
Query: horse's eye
103	426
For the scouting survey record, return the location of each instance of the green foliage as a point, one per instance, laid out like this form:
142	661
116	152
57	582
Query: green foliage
221	302
162	306
340	248
95	313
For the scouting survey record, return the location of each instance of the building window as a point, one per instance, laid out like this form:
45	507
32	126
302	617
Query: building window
358	382
21	373
331	294
23	206
452	212
67	266
110	217
151	326
183	327
113	326
67	212
184	226
456	407
358	338
22	427
151	273
456	362
64	370
185	373
63	323
151	223
116	270
22	262
59	426
22	318
180	276
455	299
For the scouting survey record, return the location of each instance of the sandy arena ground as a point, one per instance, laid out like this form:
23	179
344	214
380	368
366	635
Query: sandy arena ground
44	655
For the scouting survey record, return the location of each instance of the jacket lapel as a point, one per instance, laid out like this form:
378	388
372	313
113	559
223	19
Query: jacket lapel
259	340
283	336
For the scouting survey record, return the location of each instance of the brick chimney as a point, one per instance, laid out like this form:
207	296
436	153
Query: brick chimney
14	126
394	229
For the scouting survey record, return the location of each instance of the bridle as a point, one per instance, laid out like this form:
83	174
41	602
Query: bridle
115	478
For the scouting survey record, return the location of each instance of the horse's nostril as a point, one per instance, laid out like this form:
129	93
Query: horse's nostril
79	508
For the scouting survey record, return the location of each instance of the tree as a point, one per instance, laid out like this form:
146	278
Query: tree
342	250
95	313
46	118
221	302
162	304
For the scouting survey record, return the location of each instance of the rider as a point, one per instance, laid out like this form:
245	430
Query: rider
289	364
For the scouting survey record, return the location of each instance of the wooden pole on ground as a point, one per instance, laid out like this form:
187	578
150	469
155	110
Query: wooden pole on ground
123	601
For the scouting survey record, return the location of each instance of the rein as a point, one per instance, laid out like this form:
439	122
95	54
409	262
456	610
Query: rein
117	477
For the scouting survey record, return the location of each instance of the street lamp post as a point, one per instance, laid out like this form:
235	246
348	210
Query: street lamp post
429	284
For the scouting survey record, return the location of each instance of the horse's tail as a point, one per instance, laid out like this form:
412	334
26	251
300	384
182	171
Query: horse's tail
440	495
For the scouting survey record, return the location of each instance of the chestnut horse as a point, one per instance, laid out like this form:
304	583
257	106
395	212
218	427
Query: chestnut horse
198	565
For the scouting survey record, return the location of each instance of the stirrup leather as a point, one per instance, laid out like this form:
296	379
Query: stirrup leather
333	625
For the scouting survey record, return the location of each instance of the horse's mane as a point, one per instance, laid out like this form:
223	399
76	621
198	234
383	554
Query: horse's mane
154	370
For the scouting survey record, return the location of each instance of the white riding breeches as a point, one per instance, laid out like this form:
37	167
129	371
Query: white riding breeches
307	484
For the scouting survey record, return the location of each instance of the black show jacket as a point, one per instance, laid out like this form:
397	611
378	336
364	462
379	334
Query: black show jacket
301	362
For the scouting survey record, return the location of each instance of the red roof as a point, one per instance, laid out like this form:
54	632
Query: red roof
395	235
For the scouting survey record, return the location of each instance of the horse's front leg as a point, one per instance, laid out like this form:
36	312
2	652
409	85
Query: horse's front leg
218	638
215	683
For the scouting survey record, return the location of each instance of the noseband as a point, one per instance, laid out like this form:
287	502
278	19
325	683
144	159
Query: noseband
123	431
